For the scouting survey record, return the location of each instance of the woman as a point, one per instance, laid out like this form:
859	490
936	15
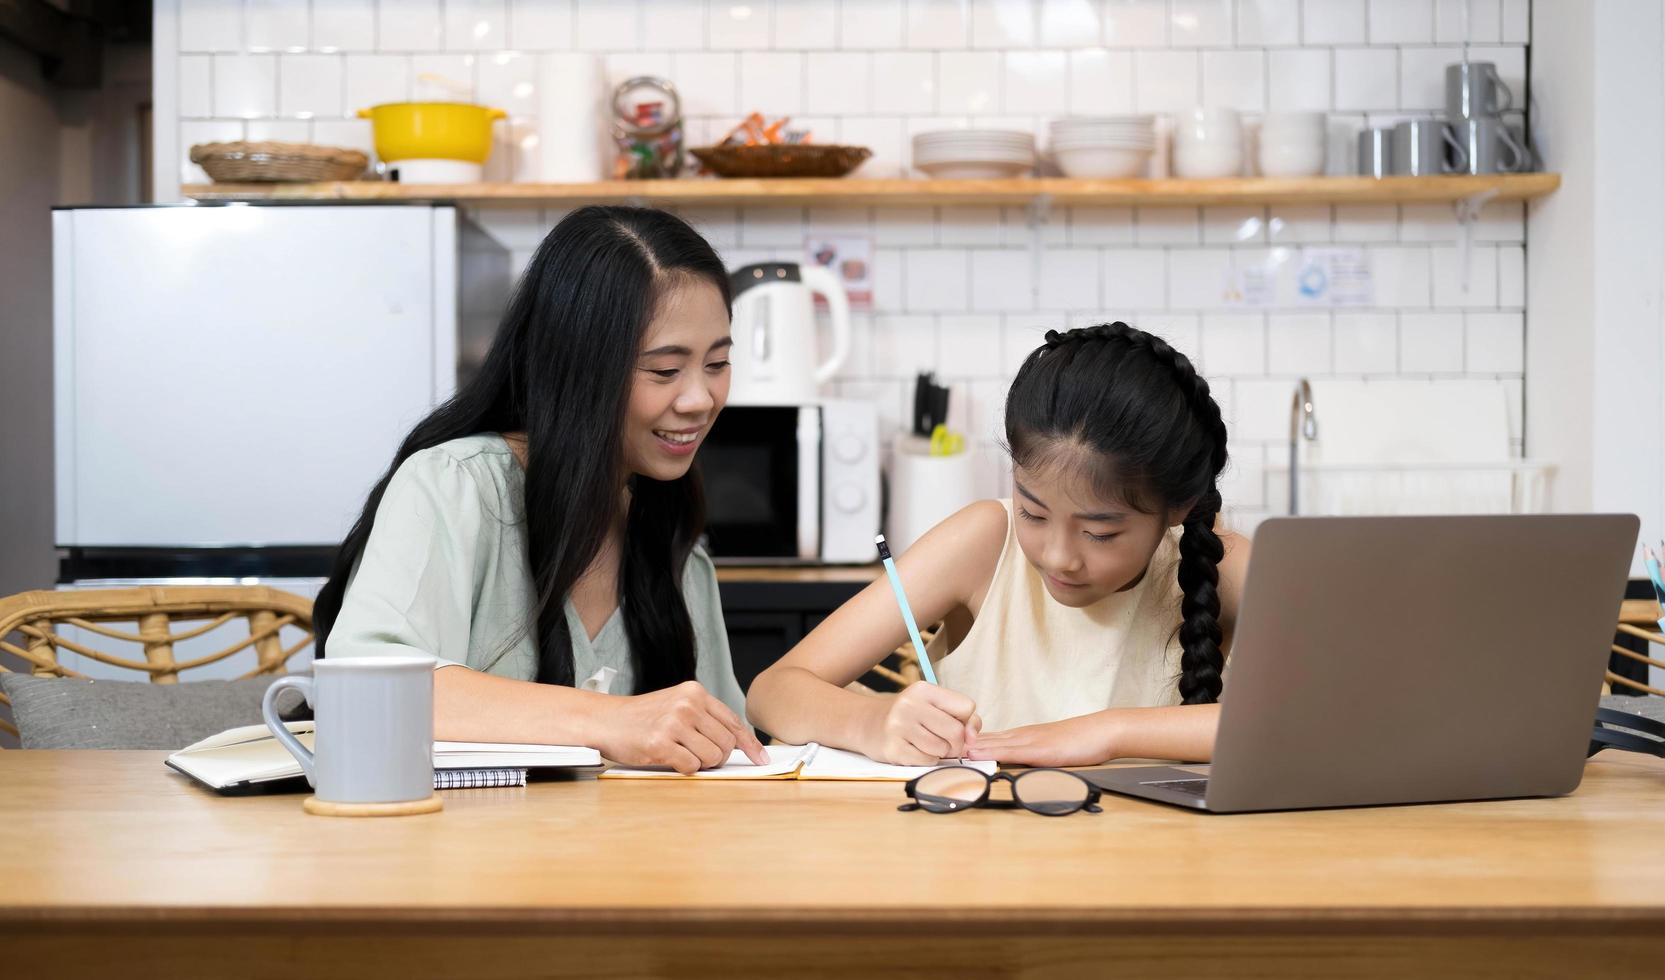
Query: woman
537	532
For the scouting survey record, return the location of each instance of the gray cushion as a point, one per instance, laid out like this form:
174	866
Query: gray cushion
67	713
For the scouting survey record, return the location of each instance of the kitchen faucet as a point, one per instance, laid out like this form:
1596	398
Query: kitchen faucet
1302	425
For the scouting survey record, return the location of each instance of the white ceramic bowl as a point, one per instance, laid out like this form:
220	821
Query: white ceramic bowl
1291	159
1101	162
1206	161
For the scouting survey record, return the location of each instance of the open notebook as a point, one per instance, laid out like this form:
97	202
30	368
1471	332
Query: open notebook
812	761
250	760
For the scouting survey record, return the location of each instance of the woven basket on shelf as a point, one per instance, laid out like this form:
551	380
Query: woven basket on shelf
268	161
782	160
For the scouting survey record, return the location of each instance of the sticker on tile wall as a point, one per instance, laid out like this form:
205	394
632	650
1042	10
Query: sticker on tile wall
850	258
1282	277
1333	277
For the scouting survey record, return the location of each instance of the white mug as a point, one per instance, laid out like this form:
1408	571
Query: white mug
375	728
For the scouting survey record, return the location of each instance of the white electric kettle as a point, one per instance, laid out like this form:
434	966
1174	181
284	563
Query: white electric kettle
774	333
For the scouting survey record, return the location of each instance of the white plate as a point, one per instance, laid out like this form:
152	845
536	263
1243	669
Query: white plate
972	171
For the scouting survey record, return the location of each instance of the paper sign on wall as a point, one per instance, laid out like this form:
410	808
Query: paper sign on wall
850	258
1283	277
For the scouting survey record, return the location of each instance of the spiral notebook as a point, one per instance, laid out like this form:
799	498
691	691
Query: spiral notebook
249	760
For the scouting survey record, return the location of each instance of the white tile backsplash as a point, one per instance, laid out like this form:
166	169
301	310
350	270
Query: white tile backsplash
1366	79
1200	23
617	24
1234	80
1268	22
772	82
967	291
1136	23
276	25
968	82
545	25
245	85
1002	24
309	85
1430	343
409	25
1037	82
343	25
1334	21
1166	81
373	79
1070	23
936	24
476	25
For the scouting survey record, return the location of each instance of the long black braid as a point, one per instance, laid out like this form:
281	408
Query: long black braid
1141	405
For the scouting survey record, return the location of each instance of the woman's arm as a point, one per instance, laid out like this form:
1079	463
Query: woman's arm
684	727
803	697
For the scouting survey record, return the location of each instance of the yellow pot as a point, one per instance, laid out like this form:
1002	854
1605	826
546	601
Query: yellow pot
432	130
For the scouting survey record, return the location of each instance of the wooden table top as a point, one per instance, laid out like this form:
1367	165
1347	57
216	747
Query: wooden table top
113	836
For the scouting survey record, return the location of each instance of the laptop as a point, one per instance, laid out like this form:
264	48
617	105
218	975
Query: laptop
1408	660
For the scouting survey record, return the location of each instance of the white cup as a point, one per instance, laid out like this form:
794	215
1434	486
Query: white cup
375	728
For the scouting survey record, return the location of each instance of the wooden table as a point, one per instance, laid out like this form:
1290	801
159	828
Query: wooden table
111	866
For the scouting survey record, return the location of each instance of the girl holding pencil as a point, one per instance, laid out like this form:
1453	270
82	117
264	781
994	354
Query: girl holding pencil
1086	618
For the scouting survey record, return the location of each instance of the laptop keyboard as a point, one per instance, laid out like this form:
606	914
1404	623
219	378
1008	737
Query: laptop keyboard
1190	787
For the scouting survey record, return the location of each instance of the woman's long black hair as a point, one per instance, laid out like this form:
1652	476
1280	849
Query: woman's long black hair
560	370
1159	441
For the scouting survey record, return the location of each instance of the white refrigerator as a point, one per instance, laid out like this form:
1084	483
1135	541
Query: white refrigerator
230	380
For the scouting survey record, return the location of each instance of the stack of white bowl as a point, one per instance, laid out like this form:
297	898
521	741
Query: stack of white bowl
969	154
1292	144
1208	143
1103	146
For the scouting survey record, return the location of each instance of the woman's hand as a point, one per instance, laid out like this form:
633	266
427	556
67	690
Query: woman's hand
925	723
1083	741
683	727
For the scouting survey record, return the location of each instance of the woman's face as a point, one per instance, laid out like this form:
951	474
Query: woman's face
681	380
1085	548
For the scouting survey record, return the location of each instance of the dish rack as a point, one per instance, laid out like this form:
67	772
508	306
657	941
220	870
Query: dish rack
1520	486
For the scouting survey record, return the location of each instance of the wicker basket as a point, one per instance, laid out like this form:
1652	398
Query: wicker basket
271	162
782	160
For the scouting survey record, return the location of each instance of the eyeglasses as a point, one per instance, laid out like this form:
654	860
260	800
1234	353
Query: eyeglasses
1049	792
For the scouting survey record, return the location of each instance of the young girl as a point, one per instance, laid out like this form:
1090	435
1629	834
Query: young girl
537	532
1079	625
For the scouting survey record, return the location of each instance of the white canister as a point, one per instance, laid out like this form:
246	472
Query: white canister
925	490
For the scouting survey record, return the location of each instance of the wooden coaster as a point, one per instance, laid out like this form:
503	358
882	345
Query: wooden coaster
320	808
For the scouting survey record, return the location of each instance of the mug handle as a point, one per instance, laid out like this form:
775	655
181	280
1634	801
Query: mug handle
1522	157
1508	96
1462	154
268	710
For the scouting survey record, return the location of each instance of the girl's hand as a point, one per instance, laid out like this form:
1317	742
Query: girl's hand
1083	741
683	727
926	723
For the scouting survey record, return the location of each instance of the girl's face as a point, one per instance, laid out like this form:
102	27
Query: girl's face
1085	548
681	380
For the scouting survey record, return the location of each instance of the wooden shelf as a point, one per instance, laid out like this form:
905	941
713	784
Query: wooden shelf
1023	190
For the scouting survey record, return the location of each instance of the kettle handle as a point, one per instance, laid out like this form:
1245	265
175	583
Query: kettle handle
819	279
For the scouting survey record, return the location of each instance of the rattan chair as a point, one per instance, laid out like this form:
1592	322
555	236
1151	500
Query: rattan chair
35	618
1638	618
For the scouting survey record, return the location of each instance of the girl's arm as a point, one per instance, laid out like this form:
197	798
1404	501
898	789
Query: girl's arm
802	697
1184	732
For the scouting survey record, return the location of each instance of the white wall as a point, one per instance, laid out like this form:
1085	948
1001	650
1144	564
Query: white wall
1596	353
956	290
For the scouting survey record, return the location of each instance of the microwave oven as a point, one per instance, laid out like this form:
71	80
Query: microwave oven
792	484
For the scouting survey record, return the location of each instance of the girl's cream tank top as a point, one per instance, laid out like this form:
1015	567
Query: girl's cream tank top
1029	659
